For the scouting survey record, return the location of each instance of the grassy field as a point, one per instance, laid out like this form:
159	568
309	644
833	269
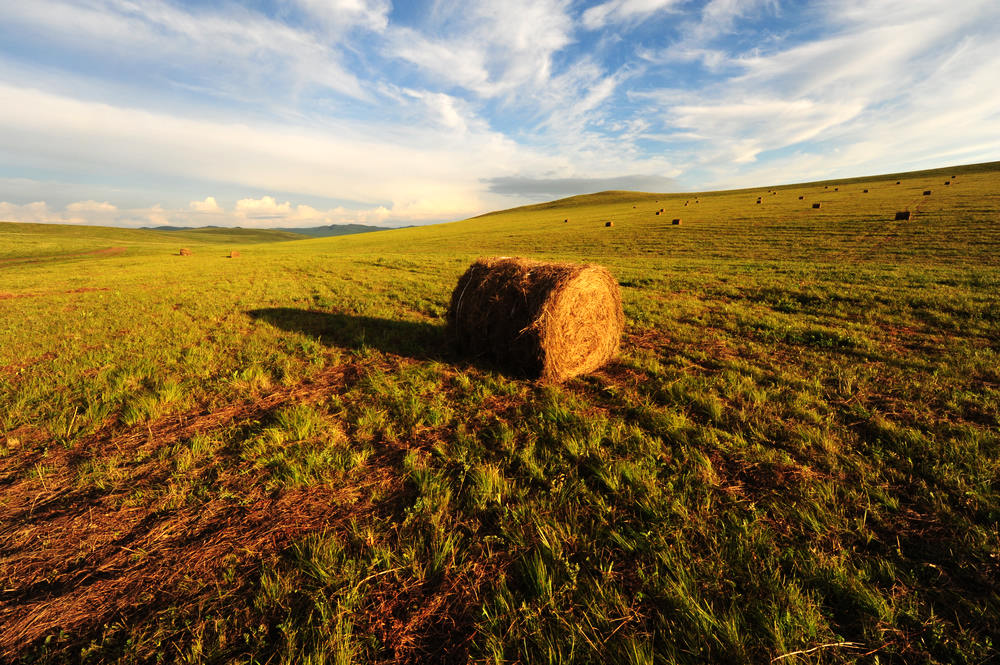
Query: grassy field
278	459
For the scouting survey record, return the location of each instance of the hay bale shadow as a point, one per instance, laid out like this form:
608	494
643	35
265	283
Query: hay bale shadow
417	340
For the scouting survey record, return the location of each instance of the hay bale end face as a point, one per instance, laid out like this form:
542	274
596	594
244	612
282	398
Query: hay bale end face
815	205
676	222
607	224
927	192
902	215
657	213
547	320
185	251
234	254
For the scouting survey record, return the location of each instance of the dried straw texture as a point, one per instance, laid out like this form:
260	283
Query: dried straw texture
552	321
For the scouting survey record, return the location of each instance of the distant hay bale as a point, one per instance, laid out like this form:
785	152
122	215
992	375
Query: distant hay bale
547	320
185	251
927	192
801	197
815	205
864	191
606	224
676	222
662	209
947	182
234	254
836	189
565	221
902	215
657	213
897	182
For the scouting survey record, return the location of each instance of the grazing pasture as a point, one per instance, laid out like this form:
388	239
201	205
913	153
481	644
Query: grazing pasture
282	459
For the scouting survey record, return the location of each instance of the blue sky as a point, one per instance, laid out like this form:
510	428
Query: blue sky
272	113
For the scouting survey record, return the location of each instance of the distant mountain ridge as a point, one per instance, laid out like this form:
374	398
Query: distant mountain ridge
341	229
312	231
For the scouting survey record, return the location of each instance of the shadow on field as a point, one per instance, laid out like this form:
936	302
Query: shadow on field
420	341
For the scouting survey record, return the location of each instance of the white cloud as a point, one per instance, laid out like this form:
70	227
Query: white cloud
91	206
29	213
429	172
264	212
231	51
623	11
208	205
493	49
338	15
80	212
265	207
884	88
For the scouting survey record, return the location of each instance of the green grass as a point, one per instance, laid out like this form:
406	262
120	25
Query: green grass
277	458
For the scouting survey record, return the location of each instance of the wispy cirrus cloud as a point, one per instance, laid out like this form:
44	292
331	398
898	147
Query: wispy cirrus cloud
491	49
623	11
871	87
222	51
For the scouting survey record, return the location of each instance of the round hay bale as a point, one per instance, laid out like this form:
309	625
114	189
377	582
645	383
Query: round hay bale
547	320
676	222
185	251
927	192
801	197
609	223
234	254
815	205
902	215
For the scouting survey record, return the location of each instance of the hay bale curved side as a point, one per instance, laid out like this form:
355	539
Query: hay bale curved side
547	320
